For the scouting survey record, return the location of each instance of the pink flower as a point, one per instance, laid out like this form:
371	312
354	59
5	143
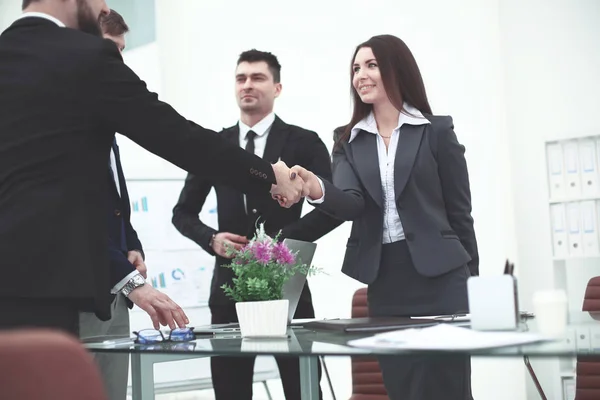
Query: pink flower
262	252
282	254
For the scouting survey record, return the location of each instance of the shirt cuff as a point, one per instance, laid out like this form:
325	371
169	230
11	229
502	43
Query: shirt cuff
322	198
117	288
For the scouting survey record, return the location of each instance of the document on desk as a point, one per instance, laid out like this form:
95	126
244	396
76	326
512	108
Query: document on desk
445	337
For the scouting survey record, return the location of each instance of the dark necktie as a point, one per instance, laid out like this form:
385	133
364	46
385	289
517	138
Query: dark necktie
250	144
249	148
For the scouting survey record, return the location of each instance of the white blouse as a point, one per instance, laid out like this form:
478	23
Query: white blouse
392	226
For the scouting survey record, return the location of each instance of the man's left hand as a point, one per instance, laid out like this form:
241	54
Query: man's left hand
135	257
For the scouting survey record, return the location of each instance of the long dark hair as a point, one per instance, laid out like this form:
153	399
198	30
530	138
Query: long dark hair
400	75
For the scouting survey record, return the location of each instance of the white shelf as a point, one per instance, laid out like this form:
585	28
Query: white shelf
573	258
575	198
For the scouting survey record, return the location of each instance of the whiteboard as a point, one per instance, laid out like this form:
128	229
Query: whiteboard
176	265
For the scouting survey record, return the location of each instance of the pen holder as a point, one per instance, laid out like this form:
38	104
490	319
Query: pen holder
493	302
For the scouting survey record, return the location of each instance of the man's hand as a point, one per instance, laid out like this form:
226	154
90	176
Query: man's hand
225	240
289	188
161	309
135	257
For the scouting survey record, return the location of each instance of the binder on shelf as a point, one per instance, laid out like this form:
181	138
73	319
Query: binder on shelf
559	230
556	170
574	229
589	227
569	388
596	140
572	171
588	167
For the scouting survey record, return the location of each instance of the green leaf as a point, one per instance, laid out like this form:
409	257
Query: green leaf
255	281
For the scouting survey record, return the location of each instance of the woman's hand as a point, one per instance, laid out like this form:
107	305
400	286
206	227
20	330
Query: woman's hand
312	186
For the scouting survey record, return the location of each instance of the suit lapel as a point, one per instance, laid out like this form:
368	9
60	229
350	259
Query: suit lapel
406	153
233	134
366	159
276	140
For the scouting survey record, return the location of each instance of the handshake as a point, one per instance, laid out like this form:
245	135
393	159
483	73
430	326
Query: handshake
293	184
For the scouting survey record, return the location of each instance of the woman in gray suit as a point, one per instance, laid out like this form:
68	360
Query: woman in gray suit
399	173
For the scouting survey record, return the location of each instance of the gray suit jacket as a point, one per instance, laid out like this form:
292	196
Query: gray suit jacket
432	195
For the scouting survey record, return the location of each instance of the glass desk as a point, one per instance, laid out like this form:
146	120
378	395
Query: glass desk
308	346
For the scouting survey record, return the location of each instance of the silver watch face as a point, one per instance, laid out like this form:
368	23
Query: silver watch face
138	280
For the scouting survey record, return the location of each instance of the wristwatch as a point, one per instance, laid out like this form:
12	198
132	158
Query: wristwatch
135	282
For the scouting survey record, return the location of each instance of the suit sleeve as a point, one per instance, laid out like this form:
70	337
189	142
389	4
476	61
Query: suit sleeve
185	213
133	241
316	223
344	198
120	266
124	104
454	178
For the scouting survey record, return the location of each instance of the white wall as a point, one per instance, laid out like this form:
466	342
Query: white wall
551	55
9	11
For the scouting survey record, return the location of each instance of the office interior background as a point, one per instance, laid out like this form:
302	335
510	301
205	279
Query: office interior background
514	75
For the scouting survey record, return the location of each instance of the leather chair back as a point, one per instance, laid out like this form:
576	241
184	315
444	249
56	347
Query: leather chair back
367	381
587	385
40	364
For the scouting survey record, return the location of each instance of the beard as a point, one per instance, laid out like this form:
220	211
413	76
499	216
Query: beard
86	20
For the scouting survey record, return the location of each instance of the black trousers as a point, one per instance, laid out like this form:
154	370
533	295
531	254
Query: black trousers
232	377
62	314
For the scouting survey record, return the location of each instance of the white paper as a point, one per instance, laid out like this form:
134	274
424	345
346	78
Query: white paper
444	337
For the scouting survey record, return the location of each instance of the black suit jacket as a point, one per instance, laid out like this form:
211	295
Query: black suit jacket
433	200
122	238
63	94
293	145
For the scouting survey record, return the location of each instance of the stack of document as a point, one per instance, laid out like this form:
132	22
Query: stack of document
445	337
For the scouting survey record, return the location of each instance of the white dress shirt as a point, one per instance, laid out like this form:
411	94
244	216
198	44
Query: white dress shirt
42	15
262	129
113	166
392	226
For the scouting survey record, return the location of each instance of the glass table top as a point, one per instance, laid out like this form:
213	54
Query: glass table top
304	342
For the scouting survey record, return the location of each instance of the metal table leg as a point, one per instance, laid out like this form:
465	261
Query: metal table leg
142	377
309	377
534	378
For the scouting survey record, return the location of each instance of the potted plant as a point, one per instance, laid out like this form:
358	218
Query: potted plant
261	270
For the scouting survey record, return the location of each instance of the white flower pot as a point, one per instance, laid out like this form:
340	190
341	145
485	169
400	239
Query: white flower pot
263	318
271	345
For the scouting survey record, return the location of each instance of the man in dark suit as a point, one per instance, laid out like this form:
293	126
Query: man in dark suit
64	92
124	250
260	132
